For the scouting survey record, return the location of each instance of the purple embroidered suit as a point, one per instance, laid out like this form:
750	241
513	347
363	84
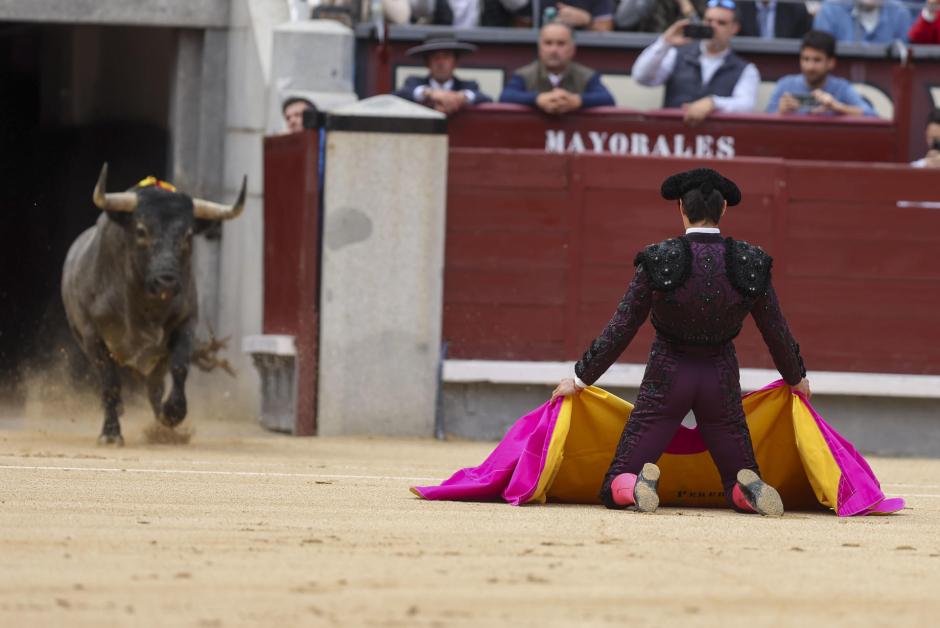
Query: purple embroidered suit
699	289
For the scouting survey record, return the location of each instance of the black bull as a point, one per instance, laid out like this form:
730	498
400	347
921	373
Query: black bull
130	294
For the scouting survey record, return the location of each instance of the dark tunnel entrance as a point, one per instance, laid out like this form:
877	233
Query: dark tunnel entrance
71	97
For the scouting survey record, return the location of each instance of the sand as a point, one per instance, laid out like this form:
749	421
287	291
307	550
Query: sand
242	527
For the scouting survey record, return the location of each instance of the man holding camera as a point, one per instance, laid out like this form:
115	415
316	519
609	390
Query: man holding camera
700	76
815	90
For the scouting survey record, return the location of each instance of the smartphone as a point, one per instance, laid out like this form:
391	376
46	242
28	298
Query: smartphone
698	31
805	100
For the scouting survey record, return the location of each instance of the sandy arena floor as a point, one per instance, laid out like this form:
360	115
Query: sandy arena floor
244	527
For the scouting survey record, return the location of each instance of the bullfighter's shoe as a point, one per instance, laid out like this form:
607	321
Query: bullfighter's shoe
637	490
752	494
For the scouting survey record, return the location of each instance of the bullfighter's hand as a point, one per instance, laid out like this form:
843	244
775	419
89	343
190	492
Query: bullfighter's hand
697	111
573	16
803	388
673	35
787	104
565	388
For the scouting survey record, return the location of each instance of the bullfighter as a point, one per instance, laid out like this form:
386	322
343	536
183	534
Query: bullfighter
699	287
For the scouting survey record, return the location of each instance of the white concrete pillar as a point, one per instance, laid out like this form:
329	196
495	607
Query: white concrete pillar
382	268
313	59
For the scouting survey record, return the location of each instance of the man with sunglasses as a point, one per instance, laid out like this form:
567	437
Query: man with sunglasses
701	76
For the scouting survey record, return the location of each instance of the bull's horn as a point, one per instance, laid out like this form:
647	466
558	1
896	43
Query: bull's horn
116	201
207	210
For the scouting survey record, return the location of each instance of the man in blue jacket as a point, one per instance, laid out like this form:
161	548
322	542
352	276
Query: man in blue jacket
554	82
815	90
441	89
864	21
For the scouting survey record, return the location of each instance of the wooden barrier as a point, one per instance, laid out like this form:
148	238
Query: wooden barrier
291	257
540	249
663	133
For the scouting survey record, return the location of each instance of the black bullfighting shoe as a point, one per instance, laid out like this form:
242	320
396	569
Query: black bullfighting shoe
637	490
752	494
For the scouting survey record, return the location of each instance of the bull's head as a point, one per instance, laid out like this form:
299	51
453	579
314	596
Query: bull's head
159	225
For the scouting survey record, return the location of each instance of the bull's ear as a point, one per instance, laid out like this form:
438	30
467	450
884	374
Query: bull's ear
122	218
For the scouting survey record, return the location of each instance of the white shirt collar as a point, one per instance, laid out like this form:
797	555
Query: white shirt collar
554	78
703	230
448	84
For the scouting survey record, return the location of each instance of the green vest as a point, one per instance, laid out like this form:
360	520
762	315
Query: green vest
574	79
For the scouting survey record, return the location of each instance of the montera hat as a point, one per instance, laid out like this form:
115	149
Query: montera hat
433	43
704	179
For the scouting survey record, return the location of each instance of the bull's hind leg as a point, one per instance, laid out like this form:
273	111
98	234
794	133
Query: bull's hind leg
110	397
181	349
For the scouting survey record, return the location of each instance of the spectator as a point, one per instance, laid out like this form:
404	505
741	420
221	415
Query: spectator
554	82
815	90
704	76
441	89
655	16
924	30
468	13
293	110
593	15
864	21
769	19
932	135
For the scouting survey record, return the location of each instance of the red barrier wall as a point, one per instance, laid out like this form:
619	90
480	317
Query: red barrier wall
626	132
291	258
540	249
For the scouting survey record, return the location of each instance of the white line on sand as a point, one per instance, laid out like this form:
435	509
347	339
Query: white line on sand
332	476
203	472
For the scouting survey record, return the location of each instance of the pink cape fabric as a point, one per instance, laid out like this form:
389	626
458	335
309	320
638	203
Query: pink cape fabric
512	471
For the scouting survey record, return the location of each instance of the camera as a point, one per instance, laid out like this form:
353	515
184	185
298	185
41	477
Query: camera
698	31
805	100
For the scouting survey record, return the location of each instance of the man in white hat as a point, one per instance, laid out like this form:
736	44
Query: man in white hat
441	89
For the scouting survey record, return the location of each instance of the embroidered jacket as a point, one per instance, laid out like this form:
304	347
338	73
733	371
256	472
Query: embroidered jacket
699	288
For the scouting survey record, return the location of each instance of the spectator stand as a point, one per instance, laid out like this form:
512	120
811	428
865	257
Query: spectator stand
871	68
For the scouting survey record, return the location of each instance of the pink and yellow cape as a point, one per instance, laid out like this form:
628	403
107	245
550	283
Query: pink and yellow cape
560	451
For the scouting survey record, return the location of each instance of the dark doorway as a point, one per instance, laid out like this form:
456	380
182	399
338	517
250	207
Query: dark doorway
71	98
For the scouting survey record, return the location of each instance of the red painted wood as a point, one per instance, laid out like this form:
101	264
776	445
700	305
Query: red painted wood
854	271
291	259
753	135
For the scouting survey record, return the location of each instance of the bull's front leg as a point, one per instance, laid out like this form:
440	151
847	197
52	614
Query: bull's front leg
110	396
181	349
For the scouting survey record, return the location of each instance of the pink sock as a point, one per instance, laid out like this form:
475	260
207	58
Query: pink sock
737	496
621	489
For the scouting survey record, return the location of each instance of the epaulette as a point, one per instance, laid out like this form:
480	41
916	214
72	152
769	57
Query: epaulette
668	263
748	267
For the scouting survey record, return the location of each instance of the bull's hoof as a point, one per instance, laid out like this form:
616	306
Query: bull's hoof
174	411
111	439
